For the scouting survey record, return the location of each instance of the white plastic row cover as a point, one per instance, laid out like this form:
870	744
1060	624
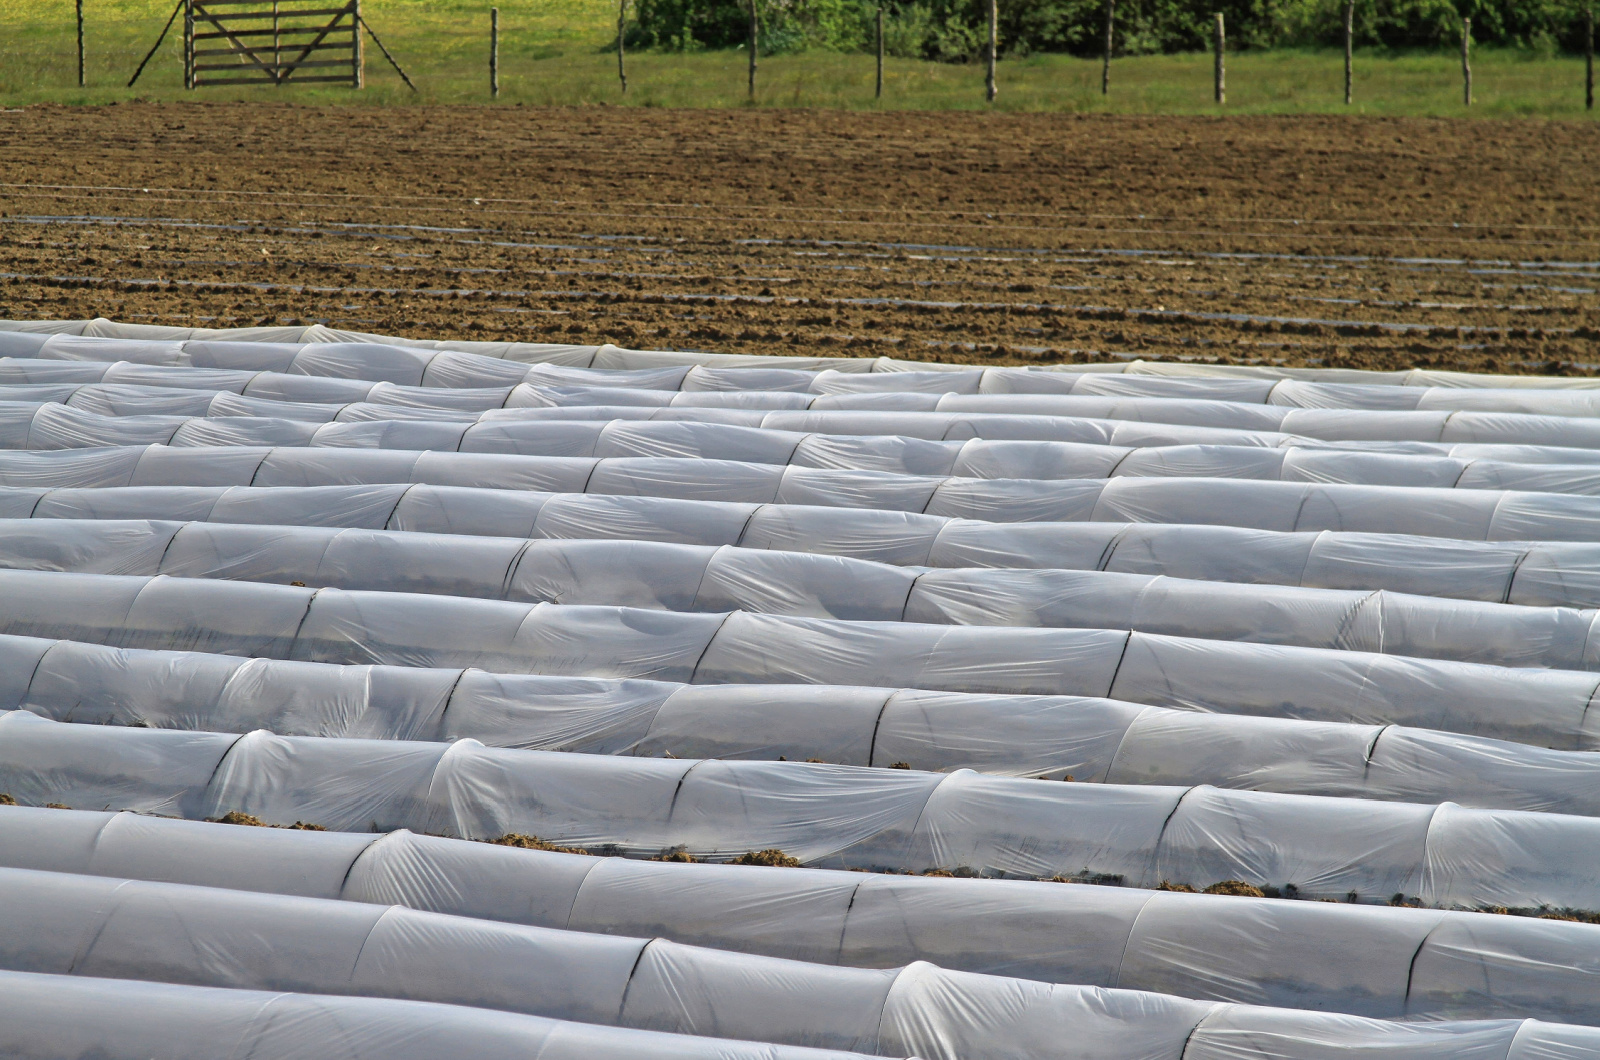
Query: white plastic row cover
1494	515
466	493
1083	449
827	815
612	358
704	578
39	424
96	926
34	411
326	351
130	390
123	929
47	1017
1541	707
1359	959
413	364
1054	737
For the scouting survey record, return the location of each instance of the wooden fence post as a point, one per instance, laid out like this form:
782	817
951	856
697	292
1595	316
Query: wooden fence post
1105	64
188	44
1349	51
990	87
80	43
622	26
879	93
1588	57
358	54
753	31
1466	61
1220	44
494	53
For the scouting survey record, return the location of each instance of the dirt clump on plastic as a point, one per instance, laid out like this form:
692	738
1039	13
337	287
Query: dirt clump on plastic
771	857
981	239
678	854
252	821
533	842
1238	888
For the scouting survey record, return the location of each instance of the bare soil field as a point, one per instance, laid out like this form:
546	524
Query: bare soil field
989	239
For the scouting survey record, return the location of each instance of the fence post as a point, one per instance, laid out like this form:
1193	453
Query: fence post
879	93
188	44
752	49
1220	43
358	54
1588	57
1349	50
1466	61
1105	65
622	25
80	43
990	87
494	53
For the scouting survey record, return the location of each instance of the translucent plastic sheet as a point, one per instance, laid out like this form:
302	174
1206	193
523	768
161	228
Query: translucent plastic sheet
49	1016
1257	951
1045	449
1346	849
1053	737
1544	707
1291	581
205	937
1279	386
1334	508
682	577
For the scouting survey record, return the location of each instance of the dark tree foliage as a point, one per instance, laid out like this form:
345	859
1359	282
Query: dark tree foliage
952	30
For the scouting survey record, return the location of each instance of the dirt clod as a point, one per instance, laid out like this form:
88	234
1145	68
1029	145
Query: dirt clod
1236	887
771	857
533	842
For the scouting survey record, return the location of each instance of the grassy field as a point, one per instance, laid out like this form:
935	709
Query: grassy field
553	52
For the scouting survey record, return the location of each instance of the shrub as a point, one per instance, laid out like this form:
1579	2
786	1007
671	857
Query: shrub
954	30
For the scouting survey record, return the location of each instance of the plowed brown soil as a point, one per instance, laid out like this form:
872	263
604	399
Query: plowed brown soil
994	239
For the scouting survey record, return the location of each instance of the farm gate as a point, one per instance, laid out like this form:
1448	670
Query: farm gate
254	42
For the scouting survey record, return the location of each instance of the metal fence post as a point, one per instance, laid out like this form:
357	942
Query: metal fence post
494	53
